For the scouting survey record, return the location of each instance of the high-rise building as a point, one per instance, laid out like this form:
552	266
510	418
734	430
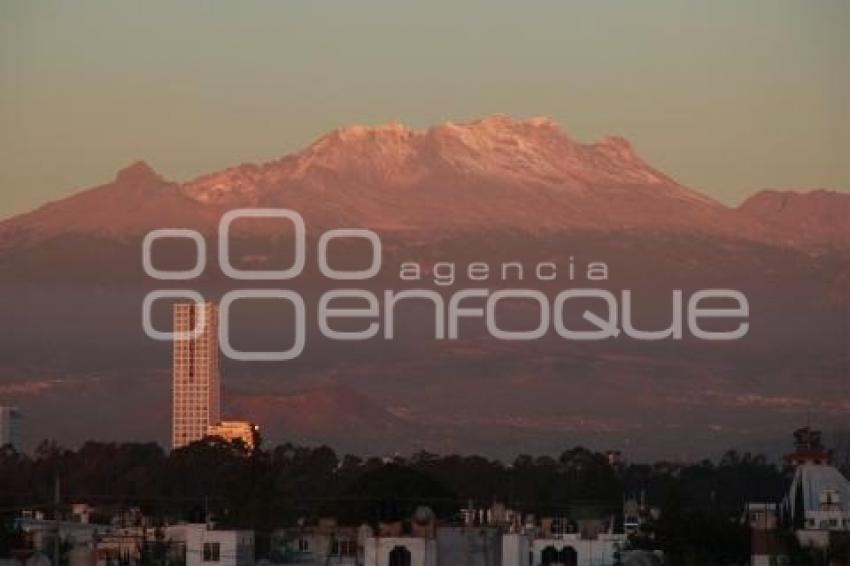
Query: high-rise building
10	432
196	385
245	431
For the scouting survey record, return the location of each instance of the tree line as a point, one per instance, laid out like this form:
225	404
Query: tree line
263	489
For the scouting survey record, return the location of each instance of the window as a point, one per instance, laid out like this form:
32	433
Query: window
212	552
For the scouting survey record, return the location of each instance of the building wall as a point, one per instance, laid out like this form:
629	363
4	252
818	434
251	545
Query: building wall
234	430
236	548
469	546
195	387
316	549
837	520
423	551
813	538
515	550
600	551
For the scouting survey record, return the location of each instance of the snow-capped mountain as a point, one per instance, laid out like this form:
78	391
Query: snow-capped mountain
491	174
493	190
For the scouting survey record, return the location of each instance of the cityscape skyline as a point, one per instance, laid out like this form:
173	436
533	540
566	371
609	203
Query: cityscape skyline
585	509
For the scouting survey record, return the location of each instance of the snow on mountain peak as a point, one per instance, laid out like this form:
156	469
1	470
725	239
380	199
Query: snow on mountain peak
495	149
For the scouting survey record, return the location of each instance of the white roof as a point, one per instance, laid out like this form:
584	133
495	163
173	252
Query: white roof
814	480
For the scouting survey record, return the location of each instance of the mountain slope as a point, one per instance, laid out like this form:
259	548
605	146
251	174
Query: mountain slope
817	219
328	414
491	174
136	201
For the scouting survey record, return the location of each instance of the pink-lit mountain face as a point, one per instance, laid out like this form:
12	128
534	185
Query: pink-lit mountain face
818	219
492	174
498	189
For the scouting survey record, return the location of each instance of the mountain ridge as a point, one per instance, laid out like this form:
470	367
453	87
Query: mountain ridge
71	302
492	173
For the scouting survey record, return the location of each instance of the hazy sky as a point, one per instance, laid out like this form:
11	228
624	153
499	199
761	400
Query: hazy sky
727	97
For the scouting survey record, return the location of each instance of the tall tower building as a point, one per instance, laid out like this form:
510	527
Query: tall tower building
196	385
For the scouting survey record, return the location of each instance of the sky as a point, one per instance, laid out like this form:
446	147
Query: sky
727	97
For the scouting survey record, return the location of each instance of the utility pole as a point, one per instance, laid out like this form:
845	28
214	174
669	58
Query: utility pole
56	519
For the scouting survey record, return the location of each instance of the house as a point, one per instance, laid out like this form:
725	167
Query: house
325	543
400	551
564	550
206	546
589	542
413	543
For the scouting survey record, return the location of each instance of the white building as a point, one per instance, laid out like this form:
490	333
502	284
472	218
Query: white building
10	428
392	546
563	550
400	551
196	383
326	544
818	504
816	507
207	546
